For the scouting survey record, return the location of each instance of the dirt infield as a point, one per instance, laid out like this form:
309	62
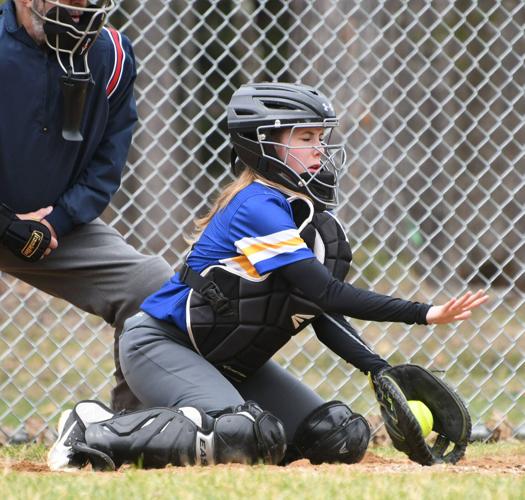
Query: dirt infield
494	465
372	463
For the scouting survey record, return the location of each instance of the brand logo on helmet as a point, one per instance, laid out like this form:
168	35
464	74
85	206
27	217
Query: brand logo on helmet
328	107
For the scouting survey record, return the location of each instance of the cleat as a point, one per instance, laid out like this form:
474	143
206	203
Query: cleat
65	453
61	456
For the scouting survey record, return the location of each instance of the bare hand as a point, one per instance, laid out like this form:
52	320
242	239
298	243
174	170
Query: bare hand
39	215
456	309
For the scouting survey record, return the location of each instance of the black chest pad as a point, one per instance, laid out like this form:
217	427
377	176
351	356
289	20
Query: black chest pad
327	239
264	313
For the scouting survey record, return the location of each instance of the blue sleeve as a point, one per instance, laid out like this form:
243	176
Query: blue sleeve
263	230
101	178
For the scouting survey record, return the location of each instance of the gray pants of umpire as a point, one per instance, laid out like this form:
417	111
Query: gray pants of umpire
163	369
97	271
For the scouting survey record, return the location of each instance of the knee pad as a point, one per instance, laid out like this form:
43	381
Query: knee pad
248	435
156	437
331	433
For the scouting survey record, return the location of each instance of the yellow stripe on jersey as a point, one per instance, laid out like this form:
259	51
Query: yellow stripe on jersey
262	248
242	265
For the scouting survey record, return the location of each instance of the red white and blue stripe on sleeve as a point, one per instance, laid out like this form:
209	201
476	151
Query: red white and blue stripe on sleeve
118	61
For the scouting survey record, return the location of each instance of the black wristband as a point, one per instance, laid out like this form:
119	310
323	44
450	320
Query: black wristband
26	239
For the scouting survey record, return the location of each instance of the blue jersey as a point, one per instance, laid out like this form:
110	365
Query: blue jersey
253	235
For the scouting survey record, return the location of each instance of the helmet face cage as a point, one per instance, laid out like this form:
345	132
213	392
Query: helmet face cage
68	38
332	157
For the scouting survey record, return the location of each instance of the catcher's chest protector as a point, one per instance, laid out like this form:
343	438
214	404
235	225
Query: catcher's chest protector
265	312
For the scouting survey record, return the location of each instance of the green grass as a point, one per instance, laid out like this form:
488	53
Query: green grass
508	449
260	483
232	482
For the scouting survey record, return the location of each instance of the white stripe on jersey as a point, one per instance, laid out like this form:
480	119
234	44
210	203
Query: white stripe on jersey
242	266
260	248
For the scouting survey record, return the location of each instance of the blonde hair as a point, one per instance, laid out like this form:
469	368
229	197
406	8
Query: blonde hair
246	177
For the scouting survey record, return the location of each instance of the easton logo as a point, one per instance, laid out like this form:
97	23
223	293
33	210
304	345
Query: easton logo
202	451
32	244
299	319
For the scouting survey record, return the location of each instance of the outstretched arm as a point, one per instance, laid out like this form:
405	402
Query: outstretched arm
456	309
334	296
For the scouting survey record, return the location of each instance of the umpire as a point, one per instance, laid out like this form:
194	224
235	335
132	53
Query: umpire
67	113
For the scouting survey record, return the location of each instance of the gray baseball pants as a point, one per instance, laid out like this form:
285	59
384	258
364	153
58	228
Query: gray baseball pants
163	369
97	271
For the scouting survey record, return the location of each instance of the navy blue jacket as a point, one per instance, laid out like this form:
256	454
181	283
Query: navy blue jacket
37	166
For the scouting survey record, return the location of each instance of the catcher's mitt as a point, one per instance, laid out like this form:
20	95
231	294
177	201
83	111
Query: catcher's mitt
395	386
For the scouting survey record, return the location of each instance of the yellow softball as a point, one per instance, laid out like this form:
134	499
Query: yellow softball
423	416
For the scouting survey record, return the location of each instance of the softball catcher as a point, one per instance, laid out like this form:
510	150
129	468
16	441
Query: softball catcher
268	259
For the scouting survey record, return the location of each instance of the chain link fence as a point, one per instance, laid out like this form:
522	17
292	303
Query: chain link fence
431	96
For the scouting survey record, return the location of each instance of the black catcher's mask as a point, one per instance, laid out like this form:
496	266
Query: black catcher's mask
70	31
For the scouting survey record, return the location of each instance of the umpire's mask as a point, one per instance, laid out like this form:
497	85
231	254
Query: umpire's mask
70	30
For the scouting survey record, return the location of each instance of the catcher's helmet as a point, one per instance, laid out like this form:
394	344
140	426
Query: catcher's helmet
257	111
70	31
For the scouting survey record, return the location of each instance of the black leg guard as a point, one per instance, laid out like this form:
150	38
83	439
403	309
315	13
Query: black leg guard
150	438
331	433
156	437
249	435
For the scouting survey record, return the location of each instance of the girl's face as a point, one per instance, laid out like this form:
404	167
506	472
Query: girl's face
300	148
